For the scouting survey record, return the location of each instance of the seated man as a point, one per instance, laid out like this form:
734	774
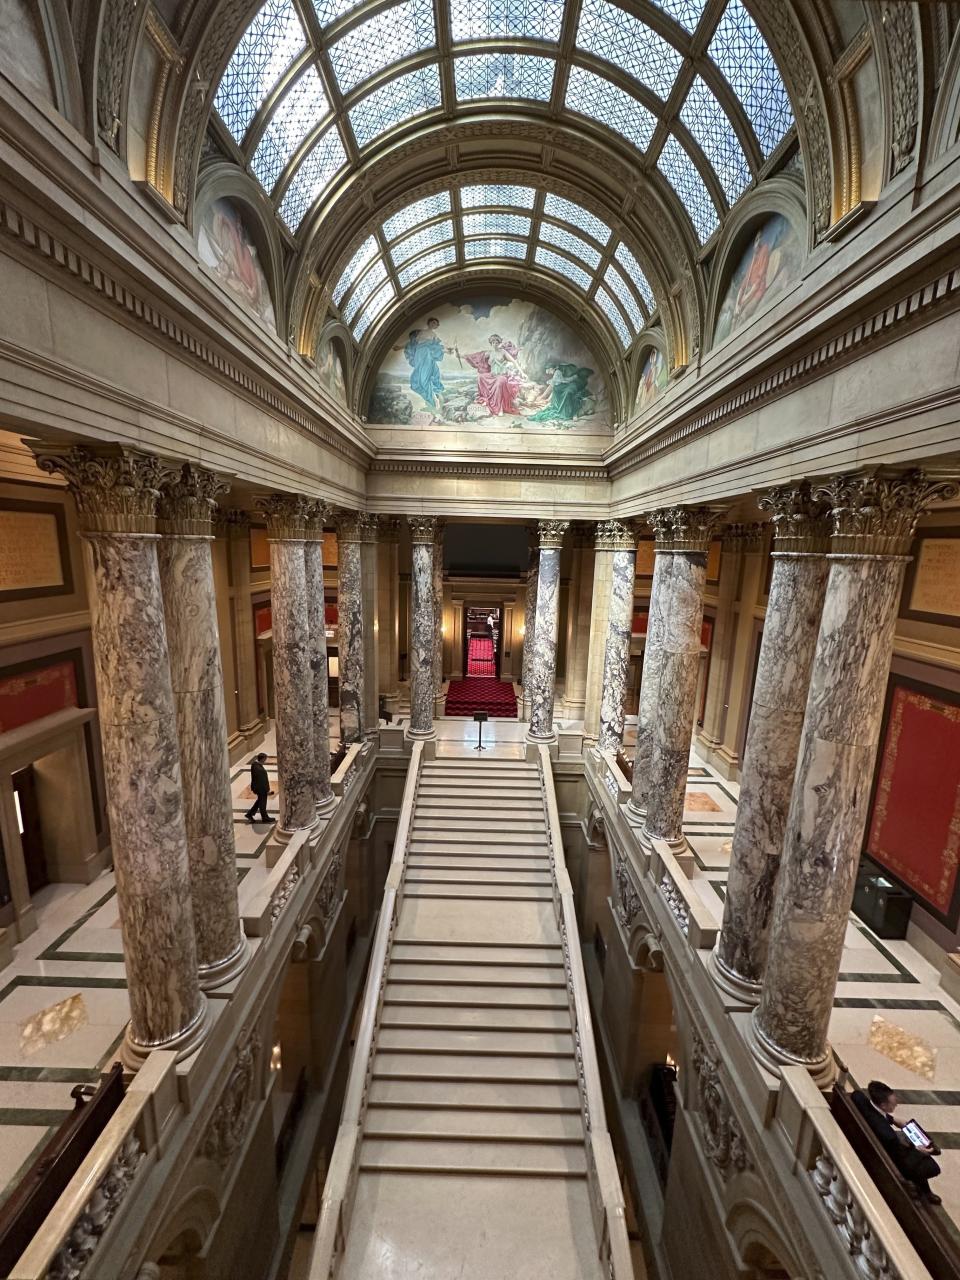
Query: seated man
914	1164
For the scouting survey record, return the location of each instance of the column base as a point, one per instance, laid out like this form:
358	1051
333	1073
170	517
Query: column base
133	1054
439	704
278	841
223	971
822	1069
429	739
735	987
635	814
326	807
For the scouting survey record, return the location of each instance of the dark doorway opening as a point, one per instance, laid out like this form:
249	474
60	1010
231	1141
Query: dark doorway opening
482	641
31	829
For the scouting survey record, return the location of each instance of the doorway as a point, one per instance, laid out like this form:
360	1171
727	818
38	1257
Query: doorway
27	804
482	641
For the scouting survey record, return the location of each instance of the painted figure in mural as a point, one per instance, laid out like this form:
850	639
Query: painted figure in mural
225	246
653	379
423	351
569	393
499	375
769	264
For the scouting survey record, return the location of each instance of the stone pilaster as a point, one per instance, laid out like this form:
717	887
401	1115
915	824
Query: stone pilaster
422	534
352	529
724	635
286	516
801	541
662	525
438	706
369	539
186	510
388	611
529	626
580	605
116	492
618	543
544	669
317	512
245	644
874	515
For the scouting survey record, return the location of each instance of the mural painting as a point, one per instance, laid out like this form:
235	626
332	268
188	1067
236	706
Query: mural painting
770	264
653	379
491	363
227	248
330	369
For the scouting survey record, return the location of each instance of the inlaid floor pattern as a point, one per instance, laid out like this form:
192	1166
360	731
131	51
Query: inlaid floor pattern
473	1161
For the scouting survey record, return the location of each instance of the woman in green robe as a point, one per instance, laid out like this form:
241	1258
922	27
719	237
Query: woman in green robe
568	390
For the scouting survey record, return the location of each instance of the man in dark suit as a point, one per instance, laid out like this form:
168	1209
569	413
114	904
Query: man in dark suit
260	786
915	1164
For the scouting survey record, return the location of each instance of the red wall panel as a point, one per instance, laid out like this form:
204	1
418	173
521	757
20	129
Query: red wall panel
30	695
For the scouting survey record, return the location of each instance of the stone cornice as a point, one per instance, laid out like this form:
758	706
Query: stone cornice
533	470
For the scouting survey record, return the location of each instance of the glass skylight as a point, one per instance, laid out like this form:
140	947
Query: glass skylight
444	257
710	125
497	193
633	269
414	214
392	34
686	12
300	109
684	176
741	53
401	99
366	253
504	75
426	238
267	47
312	177
615	35
563	266
613	279
497	224
506	19
612	312
381	299
495	248
600	99
367	284
567	211
329	10
570	243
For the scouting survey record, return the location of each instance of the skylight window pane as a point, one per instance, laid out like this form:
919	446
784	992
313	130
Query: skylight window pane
686	12
403	98
497	193
636	275
597	97
618	286
373	308
498	224
363	255
414	214
368	283
683	175
444	257
611	311
506	19
571	243
710	125
392	34
630	44
300	109
329	10
741	53
267	47
504	75
420	240
567	211
495	249
312	177
563	267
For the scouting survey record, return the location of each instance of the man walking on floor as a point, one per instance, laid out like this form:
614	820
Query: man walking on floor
260	786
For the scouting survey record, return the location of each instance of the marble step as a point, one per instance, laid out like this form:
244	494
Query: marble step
513	975
402	1065
484	891
445	764
477	875
477	995
475	862
451	1017
477	788
499	1095
442	1040
484	839
457	806
537	1160
467	848
479	831
466	1123
484	953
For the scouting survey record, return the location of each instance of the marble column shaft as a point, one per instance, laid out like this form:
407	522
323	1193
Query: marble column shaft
874	516
370	701
286	516
544	670
437	572
317	656
422	530
724	637
388	610
794	606
616	540
245	644
351	527
650	675
190	608
580	601
116	492
529	627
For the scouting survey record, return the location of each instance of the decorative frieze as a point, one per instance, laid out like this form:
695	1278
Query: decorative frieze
229	1121
188	501
850	1222
116	490
284	893
723	1137
71	1260
676	902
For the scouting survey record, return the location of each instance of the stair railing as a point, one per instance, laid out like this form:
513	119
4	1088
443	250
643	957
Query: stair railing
341	1183
606	1194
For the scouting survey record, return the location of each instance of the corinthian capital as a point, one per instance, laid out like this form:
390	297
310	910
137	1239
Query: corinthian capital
551	533
356	526
318	514
286	515
188	501
875	512
799	522
116	489
614	535
423	529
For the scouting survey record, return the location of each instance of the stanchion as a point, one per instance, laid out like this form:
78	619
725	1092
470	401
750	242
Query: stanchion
481	718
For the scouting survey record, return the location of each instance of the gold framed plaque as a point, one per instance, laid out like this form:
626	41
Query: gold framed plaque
34	555
931	591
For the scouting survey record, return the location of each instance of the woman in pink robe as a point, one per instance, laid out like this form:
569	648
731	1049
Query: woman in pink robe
499	376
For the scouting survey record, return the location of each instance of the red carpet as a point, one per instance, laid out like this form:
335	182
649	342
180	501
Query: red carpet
496	697
480	657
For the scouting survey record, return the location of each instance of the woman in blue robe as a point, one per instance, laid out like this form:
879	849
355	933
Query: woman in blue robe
423	353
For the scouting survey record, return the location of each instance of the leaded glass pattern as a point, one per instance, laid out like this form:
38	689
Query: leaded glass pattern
329	10
426	238
503	75
615	282
312	177
687	12
563	266
382	298
682	174
570	243
365	286
366	253
506	19
710	125
430	262
403	98
612	312
392	34
300	109
600	99
497	193
495	249
498	224
635	272
616	36
414	214
577	216
267	47
741	53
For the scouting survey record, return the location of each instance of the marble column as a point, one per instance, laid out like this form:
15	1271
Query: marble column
618	542
422	532
874	515
286	516
724	635
543	675
323	795
529	628
388	611
241	612
185	519
580	601
801	539
116	491
693	529
662	525
438	707
370	703
352	527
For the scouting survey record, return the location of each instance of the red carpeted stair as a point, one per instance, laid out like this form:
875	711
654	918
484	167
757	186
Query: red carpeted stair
496	697
481	660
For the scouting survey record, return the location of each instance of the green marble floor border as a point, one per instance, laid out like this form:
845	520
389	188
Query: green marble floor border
52	951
